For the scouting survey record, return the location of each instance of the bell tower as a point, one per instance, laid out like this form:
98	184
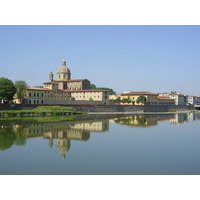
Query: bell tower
50	77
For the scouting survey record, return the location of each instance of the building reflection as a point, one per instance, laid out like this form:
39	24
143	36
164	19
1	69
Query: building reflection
64	132
59	134
144	121
180	118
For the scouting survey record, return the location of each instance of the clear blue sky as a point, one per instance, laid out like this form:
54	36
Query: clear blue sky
138	58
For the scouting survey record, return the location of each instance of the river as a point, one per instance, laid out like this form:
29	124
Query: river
153	144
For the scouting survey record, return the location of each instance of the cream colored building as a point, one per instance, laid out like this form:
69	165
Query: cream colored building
165	100
66	91
179	98
151	98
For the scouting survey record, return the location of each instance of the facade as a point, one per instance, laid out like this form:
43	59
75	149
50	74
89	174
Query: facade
192	100
66	91
165	100
151	98
180	99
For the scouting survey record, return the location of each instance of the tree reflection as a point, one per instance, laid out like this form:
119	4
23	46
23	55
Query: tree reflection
20	133
141	120
7	137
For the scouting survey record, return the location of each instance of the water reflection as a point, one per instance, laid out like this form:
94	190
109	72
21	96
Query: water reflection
60	133
152	120
17	133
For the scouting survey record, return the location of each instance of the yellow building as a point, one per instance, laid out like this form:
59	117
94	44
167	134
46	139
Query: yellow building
151	98
66	91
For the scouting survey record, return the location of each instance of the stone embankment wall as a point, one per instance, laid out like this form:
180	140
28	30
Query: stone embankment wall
181	108
106	108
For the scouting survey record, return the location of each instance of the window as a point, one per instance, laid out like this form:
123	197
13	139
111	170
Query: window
37	94
29	94
42	94
34	94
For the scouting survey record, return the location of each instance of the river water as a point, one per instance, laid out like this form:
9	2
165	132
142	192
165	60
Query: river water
157	144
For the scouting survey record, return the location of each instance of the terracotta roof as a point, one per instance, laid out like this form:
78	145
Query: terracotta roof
164	97
44	89
51	83
138	93
87	90
177	94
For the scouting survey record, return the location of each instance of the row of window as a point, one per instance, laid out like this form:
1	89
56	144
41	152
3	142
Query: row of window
35	101
86	97
36	94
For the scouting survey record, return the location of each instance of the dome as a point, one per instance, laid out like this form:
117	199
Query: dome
64	68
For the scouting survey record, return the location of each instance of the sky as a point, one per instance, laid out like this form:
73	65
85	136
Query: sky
154	58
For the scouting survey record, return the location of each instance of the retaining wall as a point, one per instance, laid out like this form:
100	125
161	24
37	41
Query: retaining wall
105	108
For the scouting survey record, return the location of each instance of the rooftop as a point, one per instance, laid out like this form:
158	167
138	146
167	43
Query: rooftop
138	93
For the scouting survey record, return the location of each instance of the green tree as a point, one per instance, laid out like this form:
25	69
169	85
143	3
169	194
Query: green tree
21	90
124	100
111	91
141	99
117	100
7	89
129	100
93	86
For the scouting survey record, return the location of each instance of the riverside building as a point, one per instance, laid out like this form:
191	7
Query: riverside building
63	90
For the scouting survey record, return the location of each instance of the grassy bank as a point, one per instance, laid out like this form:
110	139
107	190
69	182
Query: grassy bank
41	111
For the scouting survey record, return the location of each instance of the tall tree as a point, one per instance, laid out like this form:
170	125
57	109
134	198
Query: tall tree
21	90
7	89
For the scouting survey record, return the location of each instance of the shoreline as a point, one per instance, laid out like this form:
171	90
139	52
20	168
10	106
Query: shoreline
143	113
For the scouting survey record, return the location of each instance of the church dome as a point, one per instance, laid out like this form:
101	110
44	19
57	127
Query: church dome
64	68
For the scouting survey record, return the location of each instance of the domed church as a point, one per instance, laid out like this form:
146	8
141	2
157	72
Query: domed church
63	90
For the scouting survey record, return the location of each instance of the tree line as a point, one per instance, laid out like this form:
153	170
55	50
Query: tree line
9	90
111	91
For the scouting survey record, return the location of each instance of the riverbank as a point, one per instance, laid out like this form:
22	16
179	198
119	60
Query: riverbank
143	113
41	111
